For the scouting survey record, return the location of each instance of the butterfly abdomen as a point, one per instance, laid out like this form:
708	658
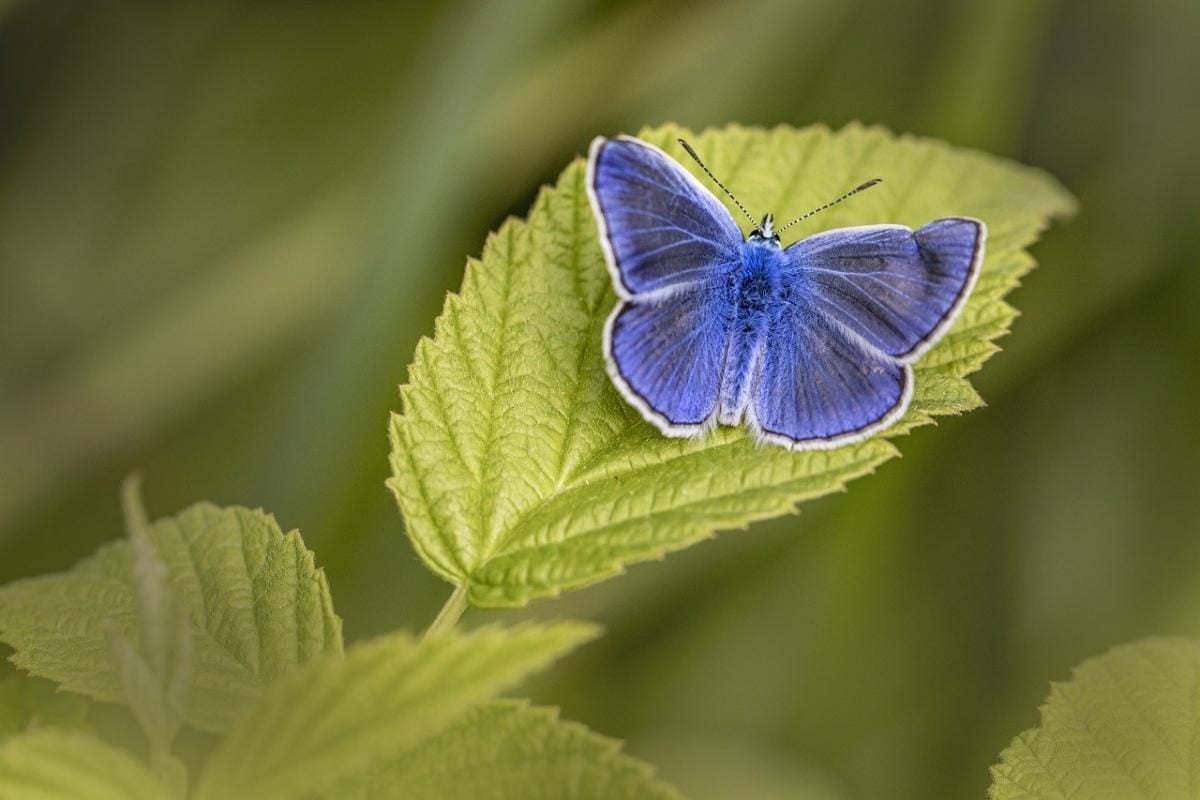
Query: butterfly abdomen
755	292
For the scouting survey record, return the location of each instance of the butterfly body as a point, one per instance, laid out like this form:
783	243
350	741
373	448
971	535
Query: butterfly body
809	346
756	291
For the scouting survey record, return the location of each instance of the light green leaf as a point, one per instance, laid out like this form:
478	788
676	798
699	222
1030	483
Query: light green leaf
51	764
519	469
505	750
328	722
155	677
143	692
1126	725
258	606
151	582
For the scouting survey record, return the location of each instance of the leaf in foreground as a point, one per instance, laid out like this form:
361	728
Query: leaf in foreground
506	750
65	765
331	721
27	702
155	672
258	606
521	472
1126	725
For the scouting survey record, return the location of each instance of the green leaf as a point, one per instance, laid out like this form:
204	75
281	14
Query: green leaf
27	703
258	606
505	750
519	469
330	721
143	692
1126	725
156	677
59	765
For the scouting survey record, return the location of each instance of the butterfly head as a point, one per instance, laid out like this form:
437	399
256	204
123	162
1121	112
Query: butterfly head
765	232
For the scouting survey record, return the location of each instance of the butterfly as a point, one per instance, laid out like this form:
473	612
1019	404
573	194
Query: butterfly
810	346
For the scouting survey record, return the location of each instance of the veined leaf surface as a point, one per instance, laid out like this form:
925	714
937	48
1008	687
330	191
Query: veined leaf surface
50	764
1126	725
336	718
257	603
506	750
520	470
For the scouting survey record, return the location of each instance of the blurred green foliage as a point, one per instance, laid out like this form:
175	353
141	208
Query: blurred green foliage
223	228
1123	726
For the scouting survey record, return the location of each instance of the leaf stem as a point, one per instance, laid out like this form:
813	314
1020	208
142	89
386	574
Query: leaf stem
446	619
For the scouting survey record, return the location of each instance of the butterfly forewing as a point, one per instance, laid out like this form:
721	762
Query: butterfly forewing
897	289
660	226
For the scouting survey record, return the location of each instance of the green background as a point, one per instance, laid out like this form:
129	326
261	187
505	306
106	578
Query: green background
223	228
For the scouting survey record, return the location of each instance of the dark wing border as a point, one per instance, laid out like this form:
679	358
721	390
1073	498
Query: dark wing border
964	294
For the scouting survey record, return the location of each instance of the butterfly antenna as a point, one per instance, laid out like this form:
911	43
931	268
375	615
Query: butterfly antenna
692	153
861	187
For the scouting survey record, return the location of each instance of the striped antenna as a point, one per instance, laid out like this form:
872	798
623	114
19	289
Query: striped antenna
692	153
851	193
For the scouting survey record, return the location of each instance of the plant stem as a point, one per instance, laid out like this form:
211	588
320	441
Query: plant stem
448	616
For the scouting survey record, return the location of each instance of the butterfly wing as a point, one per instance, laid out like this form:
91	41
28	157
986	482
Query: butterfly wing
659	227
665	354
897	289
668	244
860	305
818	386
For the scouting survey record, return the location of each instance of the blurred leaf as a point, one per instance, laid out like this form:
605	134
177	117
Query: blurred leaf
333	720
682	72
27	702
60	765
156	675
506	750
996	66
180	200
155	707
1126	725
519	469
713	765
258	606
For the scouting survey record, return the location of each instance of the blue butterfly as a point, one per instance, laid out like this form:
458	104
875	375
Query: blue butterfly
809	346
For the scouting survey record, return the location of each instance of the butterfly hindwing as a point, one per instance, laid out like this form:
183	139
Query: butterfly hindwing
861	305
665	354
659	226
818	385
897	288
